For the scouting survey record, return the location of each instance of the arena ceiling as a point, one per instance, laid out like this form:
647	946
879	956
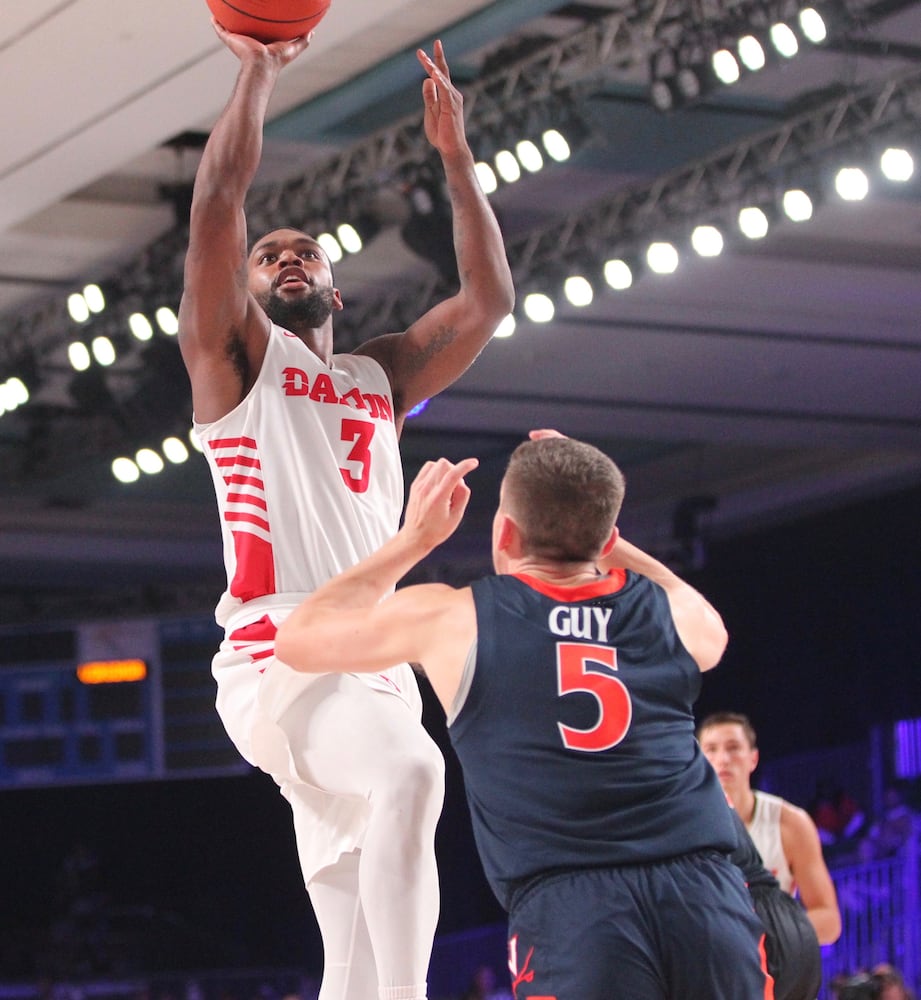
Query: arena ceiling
743	390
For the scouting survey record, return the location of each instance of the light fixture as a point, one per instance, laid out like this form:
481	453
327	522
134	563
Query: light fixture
95	300
783	38
507	166
797	205
852	184
486	177
77	307
331	247
175	450
897	164
707	241
812	25
79	356
751	53
149	461
538	307
167	321
529	156
506	328
125	470
753	222
103	350
662	257
348	237
578	291
140	327
618	274
725	66
556	145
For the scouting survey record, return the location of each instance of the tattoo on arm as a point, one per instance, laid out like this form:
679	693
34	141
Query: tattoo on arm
441	339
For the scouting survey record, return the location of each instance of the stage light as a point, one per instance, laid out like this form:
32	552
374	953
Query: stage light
812	25
149	461
578	291
897	164
797	205
486	177
529	156
95	300
618	275
331	245
167	321
689	83
348	237
751	53
538	307
753	222
506	328
507	166
783	38
13	393
79	356
725	66
662	257
707	241
661	95
125	470
175	450
556	146
140	327
195	442
77	307
103	350
852	184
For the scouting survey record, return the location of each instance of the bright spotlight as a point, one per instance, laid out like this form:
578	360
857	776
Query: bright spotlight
175	450
725	66
140	326
797	205
812	25
578	291
529	156
125	470
783	38
538	307
79	356
897	164
556	145
331	245
149	461
77	307
348	237
662	258
707	241
618	275
195	442
508	166
751	53
95	300
103	351
486	177
753	222
167	321
852	184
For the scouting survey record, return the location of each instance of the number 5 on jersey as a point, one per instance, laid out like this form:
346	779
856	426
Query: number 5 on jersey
614	707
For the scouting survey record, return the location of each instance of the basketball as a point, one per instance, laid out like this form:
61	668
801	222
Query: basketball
269	20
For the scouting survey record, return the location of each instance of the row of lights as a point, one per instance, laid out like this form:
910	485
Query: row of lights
684	74
526	156
150	461
102	350
753	222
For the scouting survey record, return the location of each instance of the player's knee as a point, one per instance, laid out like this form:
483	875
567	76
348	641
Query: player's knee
415	776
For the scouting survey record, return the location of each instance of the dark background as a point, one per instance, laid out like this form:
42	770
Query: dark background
825	622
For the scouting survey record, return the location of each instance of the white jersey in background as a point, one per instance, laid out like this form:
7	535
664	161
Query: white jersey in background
764	830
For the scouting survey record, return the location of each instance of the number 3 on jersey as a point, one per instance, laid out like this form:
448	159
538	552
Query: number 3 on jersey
360	432
614	707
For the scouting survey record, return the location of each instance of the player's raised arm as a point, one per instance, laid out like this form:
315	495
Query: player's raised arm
222	331
442	344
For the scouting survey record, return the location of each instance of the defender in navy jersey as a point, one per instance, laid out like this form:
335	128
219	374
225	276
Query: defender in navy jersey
568	680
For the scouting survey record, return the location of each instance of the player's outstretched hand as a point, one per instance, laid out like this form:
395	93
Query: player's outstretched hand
437	501
244	47
444	105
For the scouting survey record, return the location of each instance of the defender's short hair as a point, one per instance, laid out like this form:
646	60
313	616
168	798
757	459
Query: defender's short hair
731	719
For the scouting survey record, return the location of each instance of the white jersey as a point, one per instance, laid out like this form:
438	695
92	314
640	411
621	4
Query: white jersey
306	470
309	481
764	830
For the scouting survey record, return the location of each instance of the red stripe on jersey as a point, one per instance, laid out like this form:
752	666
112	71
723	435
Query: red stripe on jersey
768	978
255	571
261	630
245	442
609	584
247	498
237	480
231	460
244	518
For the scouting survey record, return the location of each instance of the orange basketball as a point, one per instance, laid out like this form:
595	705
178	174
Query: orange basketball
269	20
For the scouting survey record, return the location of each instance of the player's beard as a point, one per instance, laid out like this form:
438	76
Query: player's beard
309	312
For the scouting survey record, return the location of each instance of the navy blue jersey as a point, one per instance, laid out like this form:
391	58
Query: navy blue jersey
576	736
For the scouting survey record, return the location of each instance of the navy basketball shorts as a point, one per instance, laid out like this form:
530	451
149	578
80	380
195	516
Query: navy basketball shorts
682	929
793	953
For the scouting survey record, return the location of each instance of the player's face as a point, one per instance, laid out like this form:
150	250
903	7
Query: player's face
733	758
291	278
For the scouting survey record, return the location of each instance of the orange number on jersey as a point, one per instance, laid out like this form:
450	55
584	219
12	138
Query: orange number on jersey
614	707
361	432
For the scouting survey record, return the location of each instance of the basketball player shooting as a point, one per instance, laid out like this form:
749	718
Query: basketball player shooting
303	448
